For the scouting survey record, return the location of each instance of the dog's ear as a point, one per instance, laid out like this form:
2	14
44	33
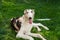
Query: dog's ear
25	11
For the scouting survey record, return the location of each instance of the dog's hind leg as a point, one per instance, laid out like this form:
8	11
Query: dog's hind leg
24	37
36	35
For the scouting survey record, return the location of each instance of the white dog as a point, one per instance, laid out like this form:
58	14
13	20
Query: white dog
27	24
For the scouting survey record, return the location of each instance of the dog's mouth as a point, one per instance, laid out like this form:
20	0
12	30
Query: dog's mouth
30	20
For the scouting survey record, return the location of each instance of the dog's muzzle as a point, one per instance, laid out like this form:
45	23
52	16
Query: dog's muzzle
30	20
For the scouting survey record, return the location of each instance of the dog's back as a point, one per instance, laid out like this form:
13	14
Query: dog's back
15	21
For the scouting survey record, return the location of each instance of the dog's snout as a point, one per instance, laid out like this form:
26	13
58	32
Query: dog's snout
30	18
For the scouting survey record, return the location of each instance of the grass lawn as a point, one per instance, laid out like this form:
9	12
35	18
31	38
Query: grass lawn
43	9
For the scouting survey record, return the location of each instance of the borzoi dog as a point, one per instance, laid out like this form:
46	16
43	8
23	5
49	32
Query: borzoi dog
24	24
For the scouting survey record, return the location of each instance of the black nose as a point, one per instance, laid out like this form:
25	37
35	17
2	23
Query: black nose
30	18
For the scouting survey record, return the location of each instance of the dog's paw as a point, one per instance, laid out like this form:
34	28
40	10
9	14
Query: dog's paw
39	29
46	28
44	39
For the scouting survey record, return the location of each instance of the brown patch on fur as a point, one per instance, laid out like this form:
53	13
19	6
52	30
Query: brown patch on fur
15	24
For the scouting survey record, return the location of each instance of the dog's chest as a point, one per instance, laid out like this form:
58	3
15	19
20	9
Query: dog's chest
26	27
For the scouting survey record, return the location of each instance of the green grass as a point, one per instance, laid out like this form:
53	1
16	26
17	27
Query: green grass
43	9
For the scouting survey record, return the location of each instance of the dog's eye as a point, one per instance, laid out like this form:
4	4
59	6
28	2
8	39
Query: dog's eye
31	11
27	12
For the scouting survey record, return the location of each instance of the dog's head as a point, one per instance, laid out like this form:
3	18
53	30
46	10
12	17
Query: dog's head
29	14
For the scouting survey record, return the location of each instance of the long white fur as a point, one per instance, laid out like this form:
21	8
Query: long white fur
25	30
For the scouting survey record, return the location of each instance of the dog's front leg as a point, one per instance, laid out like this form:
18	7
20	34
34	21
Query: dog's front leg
35	25
39	24
37	28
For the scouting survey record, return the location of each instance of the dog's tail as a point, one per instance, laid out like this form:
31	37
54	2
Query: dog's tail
43	19
11	19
